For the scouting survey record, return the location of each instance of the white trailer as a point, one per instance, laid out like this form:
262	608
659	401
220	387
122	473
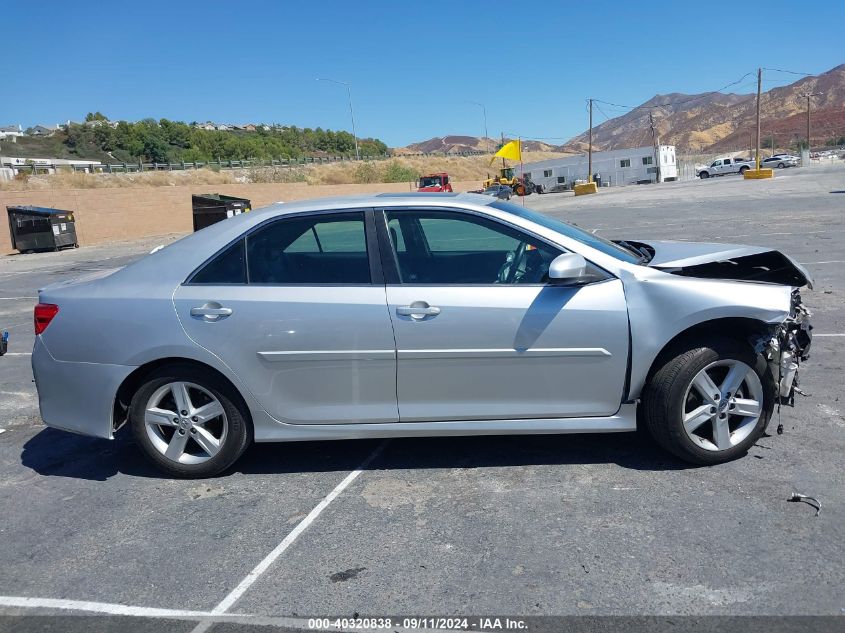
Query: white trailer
617	167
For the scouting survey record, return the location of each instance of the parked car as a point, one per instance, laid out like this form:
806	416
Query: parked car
502	192
724	166
419	315
780	161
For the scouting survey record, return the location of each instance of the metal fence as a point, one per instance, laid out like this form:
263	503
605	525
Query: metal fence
109	168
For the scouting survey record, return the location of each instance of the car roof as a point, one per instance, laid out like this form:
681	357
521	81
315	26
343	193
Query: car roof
409	199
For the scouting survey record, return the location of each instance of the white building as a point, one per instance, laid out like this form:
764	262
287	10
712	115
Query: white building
11	132
617	167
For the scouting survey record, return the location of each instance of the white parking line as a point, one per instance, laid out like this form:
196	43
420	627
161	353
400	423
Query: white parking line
16	298
828	335
832	261
18	354
98	607
261	567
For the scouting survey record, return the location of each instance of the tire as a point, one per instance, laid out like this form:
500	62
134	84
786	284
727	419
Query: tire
703	175
780	165
231	428
670	395
742	170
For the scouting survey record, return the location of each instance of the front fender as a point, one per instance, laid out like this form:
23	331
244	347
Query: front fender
662	305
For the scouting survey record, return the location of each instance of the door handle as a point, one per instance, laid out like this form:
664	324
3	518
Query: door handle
418	310
211	311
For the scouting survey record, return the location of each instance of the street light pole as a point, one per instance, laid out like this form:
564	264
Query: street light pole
486	136
351	111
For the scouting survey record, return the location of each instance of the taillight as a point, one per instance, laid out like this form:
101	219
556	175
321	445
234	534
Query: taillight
44	313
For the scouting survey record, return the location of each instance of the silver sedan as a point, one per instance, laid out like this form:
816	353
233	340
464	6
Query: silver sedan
418	315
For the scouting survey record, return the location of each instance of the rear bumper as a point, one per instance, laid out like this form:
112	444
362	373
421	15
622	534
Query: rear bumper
77	397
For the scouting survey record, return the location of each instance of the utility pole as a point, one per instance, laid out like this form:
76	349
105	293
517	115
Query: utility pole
590	150
759	91
656	145
809	95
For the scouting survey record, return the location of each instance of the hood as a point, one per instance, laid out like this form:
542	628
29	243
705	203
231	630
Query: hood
725	261
432	189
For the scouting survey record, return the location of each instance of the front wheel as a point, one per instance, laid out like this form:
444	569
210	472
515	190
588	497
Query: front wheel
708	403
189	422
780	165
703	175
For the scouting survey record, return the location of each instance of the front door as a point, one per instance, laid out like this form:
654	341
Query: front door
482	335
292	310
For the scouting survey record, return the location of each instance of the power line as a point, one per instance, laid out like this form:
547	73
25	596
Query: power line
790	72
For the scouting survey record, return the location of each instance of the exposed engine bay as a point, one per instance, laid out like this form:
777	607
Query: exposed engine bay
786	347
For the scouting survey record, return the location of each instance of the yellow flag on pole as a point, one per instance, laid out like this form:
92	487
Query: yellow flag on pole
511	150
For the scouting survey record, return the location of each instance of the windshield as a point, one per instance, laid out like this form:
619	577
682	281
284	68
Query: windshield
430	181
593	241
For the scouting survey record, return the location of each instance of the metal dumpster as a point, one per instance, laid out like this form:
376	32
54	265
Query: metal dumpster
213	207
41	228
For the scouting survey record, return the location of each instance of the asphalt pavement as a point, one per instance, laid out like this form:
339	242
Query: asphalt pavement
522	526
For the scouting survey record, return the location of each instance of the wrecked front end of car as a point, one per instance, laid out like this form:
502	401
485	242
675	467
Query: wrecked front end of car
786	344
785	347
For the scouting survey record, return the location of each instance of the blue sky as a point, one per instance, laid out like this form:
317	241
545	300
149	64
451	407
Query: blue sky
413	65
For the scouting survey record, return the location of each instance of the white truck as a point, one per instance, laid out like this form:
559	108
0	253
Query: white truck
726	165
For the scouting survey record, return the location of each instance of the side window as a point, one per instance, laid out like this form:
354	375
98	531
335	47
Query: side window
396	237
319	249
457	248
229	267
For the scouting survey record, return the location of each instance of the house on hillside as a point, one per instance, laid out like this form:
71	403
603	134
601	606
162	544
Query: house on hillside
618	167
43	130
222	127
11	132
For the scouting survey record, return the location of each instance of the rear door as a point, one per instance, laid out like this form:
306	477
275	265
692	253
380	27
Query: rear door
482	335
297	310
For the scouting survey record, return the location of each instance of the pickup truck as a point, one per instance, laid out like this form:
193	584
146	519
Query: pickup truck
722	166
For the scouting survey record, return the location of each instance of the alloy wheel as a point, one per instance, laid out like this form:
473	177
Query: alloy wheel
185	422
722	405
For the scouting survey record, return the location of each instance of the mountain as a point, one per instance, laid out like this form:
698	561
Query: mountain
458	144
717	121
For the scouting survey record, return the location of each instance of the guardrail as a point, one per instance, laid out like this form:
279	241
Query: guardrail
35	168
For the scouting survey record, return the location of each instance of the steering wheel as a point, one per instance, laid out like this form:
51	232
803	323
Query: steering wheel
514	267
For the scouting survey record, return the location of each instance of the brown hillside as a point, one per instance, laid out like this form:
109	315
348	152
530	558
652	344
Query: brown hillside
722	121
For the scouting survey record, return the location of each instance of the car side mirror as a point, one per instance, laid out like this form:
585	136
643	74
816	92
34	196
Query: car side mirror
567	268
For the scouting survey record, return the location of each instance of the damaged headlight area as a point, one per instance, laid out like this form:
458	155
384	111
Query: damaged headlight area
786	346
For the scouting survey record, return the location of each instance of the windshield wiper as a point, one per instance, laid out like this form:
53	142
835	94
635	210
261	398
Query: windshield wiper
640	252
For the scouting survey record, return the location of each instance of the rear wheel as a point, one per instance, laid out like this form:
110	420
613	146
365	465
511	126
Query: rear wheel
742	170
188	422
708	403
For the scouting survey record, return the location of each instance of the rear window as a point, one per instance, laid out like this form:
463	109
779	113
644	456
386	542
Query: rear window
229	267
